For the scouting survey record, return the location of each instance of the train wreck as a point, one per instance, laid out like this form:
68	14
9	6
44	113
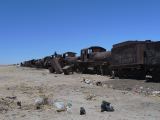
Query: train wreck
130	59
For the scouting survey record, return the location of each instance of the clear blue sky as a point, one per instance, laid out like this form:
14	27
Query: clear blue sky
36	28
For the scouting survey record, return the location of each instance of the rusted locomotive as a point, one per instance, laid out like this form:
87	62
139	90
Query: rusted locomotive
64	63
70	62
29	63
130	59
94	59
38	63
69	58
137	59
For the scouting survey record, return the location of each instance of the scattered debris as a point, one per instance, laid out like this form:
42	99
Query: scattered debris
99	83
3	109
138	87
6	104
156	93
68	69
60	106
106	106
113	75
13	98
91	97
82	111
87	81
39	101
19	104
124	92
68	107
128	89
43	100
141	87
38	107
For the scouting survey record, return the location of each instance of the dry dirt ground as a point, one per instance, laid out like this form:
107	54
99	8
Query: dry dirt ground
131	99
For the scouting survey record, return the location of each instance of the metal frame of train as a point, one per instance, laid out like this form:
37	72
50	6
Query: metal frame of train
130	59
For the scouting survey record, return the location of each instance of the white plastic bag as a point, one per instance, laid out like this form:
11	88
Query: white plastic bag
60	106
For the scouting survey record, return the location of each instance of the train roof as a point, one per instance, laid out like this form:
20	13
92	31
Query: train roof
95	47
70	53
132	42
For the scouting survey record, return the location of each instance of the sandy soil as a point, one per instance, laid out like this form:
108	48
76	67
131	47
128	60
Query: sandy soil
26	85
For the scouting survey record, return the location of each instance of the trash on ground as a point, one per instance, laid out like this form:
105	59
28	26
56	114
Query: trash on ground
113	75
68	107
87	81
19	104
43	100
39	101
156	93
99	83
60	106
14	97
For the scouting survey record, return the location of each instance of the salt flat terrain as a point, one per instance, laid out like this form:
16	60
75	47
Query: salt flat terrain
28	84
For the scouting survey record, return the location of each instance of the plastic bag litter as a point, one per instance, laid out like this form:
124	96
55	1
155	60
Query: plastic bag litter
39	101
60	106
68	107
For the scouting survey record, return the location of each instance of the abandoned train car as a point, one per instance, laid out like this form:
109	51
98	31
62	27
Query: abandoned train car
137	59
130	59
95	60
63	63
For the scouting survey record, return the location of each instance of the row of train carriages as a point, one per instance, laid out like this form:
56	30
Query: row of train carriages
130	59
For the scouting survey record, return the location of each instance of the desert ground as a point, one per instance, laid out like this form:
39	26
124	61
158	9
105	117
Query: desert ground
131	99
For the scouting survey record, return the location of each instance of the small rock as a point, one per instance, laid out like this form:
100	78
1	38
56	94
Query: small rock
99	83
38	107
82	111
19	104
105	106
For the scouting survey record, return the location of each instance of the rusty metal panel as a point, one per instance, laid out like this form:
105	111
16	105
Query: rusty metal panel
97	49
124	55
130	53
153	53
140	53
56	65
